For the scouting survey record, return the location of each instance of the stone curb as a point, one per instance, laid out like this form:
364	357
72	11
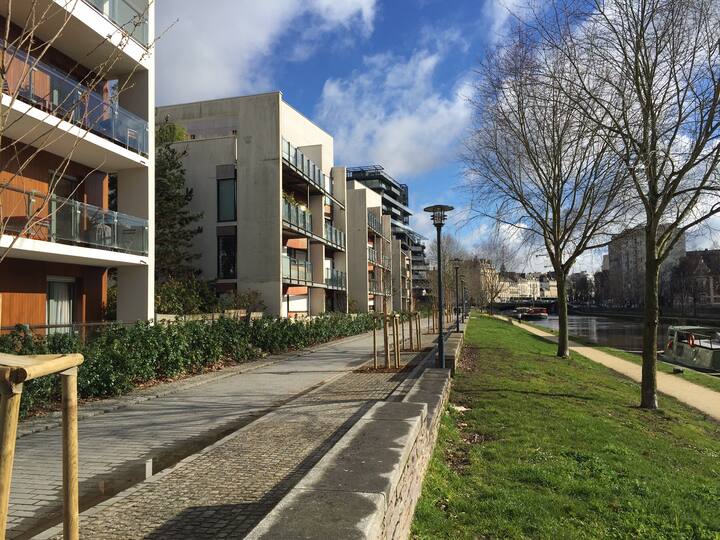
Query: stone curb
94	408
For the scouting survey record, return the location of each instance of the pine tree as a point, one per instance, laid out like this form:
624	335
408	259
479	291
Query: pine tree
175	224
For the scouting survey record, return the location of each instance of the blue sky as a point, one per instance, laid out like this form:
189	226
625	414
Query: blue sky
389	79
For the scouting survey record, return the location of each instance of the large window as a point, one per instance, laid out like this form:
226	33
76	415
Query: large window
59	308
226	199
227	256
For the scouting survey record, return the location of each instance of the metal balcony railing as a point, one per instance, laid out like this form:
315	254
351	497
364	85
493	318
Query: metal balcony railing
295	270
374	286
374	223
130	16
335	278
334	236
306	166
47	88
296	216
372	255
65	221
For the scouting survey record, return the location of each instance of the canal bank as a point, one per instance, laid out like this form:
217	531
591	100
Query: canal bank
700	397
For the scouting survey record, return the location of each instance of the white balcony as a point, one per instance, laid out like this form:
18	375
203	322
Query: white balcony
89	36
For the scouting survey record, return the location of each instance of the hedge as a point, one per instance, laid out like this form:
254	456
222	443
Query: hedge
119	358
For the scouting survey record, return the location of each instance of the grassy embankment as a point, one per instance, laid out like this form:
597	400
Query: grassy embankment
697	377
552	448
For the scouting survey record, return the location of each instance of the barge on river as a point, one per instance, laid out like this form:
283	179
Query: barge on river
530	313
697	347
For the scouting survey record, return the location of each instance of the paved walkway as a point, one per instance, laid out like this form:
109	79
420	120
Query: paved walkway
115	446
698	397
226	490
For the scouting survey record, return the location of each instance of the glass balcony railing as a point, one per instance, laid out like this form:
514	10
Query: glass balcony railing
296	216
335	278
374	223
295	270
132	17
65	221
334	236
306	166
47	88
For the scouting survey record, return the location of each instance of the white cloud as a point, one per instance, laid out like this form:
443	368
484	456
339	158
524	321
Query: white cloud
390	112
220	48
498	14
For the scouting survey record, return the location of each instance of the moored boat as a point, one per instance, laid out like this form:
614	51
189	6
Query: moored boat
531	313
697	347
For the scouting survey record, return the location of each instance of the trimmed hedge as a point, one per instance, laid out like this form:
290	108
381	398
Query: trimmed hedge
119	358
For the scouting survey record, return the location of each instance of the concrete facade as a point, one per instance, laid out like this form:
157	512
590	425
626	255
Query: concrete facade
402	277
289	221
369	251
626	272
79	236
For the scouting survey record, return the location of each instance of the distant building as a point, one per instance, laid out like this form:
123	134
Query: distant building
626	257
695	281
535	286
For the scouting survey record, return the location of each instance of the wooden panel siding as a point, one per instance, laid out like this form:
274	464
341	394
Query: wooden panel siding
23	291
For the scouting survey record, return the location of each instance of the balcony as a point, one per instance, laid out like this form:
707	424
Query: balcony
54	92
128	16
295	271
335	279
334	236
372	255
297	217
307	169
374	223
64	221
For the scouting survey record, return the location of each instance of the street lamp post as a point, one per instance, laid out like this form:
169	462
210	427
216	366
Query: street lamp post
439	215
456	265
462	288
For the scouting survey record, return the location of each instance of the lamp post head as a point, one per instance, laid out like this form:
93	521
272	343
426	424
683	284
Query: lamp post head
456	263
439	213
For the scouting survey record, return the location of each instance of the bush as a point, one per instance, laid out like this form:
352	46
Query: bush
118	358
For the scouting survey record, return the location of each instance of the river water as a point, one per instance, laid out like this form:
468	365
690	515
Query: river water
625	334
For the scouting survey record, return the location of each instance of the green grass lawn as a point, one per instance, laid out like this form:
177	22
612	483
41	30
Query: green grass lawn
553	448
697	377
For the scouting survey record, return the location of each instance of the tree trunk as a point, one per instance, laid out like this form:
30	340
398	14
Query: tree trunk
563	350
648	393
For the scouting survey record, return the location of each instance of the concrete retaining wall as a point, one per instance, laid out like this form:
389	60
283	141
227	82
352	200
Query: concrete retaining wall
367	486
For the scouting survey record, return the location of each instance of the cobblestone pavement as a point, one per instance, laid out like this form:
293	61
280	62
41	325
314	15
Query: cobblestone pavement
226	490
115	446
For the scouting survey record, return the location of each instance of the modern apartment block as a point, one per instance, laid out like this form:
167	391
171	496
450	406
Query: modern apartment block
78	114
273	202
395	200
369	252
402	277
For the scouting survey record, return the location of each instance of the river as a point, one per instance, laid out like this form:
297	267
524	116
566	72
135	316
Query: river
625	334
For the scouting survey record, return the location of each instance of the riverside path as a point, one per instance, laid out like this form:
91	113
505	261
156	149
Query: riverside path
698	397
115	446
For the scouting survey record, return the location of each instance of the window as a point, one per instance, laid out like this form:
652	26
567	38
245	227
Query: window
227	256
59	308
226	199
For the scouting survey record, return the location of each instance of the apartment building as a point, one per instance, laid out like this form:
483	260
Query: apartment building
401	277
81	116
273	202
626	269
395	200
370	251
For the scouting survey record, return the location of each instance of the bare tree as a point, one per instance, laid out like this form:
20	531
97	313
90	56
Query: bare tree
536	164
493	256
647	74
47	112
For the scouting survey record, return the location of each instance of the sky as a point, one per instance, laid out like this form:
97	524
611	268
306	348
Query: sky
389	79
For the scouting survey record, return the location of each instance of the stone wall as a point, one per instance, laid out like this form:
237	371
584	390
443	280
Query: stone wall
367	486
